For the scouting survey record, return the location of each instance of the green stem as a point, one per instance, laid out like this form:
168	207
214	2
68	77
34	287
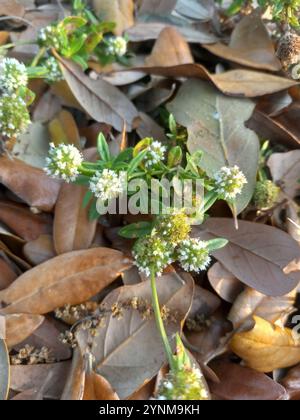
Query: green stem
159	321
38	57
87	172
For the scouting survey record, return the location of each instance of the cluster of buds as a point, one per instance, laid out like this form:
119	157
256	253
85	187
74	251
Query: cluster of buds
63	162
14	115
229	182
289	50
153	255
52	36
265	195
193	255
29	355
107	185
174	227
13	75
54	73
116	46
156	154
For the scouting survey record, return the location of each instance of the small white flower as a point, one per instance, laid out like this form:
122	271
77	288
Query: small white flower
193	255
156	154
14	115
229	182
50	37
13	75
63	162
54	72
117	46
107	185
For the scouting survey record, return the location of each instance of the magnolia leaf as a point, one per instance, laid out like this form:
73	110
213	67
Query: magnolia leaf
267	347
216	126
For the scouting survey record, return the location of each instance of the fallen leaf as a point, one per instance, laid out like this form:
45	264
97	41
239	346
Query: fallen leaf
5	371
254	254
170	49
102	101
23	222
21	326
40	250
291	382
119	11
74	386
216	126
7	274
238	383
250	45
227	286
195	10
11	8
98	389
285	170
162	7
267	347
272	309
71	278
63	129
129	351
31	184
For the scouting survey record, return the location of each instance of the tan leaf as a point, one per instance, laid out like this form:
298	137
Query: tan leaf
250	45
224	283
31	184
254	254
129	351
39	250
170	49
285	170
267	347
63	129
71	278
251	302
74	387
98	389
21	326
119	11
7	274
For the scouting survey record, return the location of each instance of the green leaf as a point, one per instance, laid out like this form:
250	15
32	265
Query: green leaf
93	213
136	230
136	162
4	371
87	198
103	148
215	244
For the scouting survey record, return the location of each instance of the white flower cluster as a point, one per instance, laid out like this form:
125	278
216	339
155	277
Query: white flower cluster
63	162
193	255
107	185
152	254
13	75
50	37
183	384
156	154
116	46
229	182
54	72
14	115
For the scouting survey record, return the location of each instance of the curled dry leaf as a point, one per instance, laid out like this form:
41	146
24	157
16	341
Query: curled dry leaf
129	351
254	254
267	347
227	286
170	49
71	278
216	126
285	170
74	386
273	309
5	371
39	250
31	184
23	222
102	101
238	383
21	326
119	11
98	389
7	273
250	45
291	382
241	83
